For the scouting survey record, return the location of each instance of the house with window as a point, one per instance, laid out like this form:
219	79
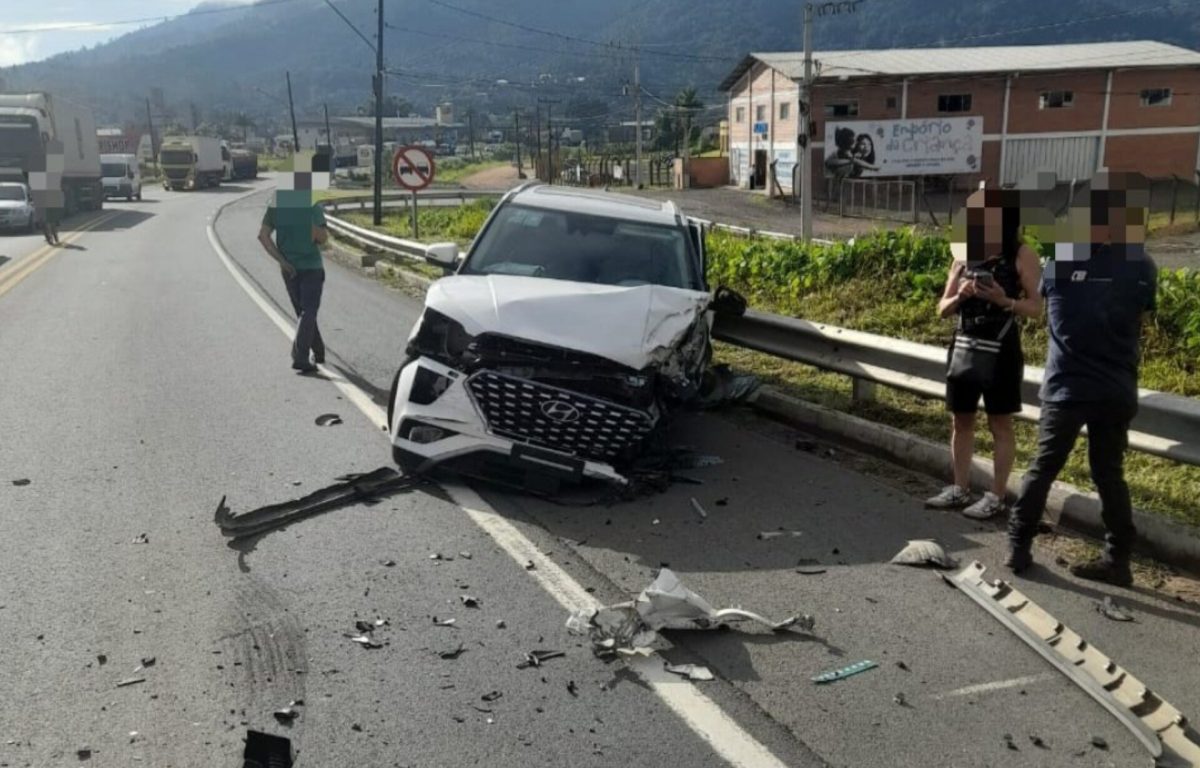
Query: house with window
1074	109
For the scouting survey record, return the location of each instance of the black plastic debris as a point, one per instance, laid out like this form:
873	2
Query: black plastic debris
365	640
365	627
102	659
453	653
388	563
1010	742
530	565
264	750
1099	743
443	622
469	601
328	420
367	489
84	753
900	699
1038	742
1109	608
21	482
491	696
149	661
572	688
130	681
286	715
141	538
811	570
537	658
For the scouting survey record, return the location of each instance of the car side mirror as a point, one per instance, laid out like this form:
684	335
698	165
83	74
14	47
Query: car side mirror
443	255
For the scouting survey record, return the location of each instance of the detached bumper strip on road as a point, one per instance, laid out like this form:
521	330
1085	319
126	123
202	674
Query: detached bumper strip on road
15	273
700	713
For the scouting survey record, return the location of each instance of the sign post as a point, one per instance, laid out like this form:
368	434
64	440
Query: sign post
413	168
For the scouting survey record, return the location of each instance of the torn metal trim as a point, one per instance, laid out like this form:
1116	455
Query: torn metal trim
1159	726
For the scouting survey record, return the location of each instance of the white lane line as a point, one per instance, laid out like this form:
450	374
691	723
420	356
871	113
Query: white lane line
700	713
999	685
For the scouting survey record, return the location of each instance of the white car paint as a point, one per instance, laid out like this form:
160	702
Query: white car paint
17	214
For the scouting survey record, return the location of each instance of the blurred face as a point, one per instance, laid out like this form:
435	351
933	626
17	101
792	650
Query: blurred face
984	231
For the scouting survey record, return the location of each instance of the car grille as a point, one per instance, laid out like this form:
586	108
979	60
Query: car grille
530	412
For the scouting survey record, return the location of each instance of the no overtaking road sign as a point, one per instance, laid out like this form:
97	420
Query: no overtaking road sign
413	168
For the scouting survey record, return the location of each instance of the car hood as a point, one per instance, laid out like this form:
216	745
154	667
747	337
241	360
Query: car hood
634	326
8	205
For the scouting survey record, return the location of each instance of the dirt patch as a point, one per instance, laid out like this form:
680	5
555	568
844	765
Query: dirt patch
504	177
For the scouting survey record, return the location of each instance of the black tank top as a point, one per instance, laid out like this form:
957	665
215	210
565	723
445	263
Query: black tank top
982	318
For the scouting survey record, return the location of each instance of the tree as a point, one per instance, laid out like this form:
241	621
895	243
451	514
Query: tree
245	122
688	105
393	106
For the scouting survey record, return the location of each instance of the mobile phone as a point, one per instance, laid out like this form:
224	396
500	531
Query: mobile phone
981	276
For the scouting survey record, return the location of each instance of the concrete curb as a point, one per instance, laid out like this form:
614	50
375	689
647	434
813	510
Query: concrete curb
1068	506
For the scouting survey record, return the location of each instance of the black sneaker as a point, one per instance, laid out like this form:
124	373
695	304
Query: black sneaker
1100	569
1019	559
305	367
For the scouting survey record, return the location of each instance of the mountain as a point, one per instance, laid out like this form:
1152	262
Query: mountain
226	58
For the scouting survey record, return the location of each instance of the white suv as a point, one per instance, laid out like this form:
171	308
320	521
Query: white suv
575	324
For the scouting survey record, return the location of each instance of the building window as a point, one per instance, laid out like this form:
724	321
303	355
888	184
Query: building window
842	109
740	115
785	111
760	113
954	102
1056	99
1156	97
891	102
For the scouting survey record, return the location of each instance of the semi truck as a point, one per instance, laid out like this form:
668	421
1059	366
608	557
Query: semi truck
245	164
31	122
192	162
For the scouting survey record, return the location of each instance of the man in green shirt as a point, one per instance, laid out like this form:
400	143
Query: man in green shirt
299	228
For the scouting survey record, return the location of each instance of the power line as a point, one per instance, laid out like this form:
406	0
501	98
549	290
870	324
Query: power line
342	16
143	20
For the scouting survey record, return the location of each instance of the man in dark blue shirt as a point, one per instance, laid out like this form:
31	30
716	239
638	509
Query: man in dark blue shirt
1096	295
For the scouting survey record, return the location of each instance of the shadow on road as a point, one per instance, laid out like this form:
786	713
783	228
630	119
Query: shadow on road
127	219
1185	614
4	260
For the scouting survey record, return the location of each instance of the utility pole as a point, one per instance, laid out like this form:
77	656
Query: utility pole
379	118
637	102
516	139
150	125
537	129
549	137
471	131
328	133
805	153
292	110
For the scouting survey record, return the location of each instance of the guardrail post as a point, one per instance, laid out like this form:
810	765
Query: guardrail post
862	390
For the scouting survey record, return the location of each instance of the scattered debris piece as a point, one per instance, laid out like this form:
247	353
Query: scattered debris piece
665	604
102	659
922	552
388	563
435	556
1038	742
1099	743
130	681
655	521
328	420
443	622
141	538
286	715
530	565
21	482
134	737
723	501
469	601
365	640
356	728
453	653
84	753
1111	610
149	661
536	658
902	665
500	624
1010	743
767	535
721	386
465	555
690	671
844	672
365	627
699	509
900	699
491	696
572	688
263	749
367	488
811	570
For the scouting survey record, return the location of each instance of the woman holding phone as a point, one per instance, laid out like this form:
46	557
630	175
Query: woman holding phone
993	280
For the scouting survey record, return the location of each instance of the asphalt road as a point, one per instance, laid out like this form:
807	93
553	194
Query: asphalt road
142	384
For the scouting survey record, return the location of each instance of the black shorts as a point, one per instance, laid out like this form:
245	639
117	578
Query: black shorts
1004	395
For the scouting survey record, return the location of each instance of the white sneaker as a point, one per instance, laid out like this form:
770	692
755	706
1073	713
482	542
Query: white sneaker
986	508
951	497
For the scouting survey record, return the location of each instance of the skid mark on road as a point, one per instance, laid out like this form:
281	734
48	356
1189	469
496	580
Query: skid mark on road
702	715
999	685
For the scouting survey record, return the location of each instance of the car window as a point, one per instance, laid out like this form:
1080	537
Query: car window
562	245
12	193
112	169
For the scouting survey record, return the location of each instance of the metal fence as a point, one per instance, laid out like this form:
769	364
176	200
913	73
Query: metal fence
878	199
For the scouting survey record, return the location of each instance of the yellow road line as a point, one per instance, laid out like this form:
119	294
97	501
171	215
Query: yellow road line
12	276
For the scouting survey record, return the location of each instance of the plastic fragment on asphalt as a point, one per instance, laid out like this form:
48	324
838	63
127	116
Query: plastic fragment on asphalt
21	482
834	675
811	570
130	681
286	715
84	753
149	661
365	640
387	563
1111	610
690	671
141	538
900	699
465	555
767	535
1160	727
453	653
443	622
264	749
699	509
924	552
328	420
1099	743
491	696
469	601
536	658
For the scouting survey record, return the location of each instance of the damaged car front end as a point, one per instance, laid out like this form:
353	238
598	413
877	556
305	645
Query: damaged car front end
574	329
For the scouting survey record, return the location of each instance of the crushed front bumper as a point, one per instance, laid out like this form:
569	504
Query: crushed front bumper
489	420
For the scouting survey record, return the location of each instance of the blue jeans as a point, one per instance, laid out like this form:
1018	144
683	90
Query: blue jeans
1108	437
304	289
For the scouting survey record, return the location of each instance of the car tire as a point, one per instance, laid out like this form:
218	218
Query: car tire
139	196
391	403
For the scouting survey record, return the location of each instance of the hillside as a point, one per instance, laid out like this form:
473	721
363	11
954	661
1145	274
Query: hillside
234	60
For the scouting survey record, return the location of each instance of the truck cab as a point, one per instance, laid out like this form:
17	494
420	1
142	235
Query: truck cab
121	176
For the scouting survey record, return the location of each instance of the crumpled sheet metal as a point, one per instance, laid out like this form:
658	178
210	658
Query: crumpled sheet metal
665	604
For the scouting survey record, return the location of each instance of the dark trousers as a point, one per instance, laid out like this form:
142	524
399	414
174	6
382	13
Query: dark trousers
304	289
1108	436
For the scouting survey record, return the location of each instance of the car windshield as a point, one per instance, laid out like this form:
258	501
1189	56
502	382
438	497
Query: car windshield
177	156
112	169
561	245
12	193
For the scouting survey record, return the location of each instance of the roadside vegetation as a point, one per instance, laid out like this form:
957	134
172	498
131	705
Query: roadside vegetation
888	283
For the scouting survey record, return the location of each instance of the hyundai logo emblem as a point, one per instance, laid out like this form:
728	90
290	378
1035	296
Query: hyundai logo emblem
559	411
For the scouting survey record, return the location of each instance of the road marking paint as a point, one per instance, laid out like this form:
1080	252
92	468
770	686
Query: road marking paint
999	685
18	271
700	714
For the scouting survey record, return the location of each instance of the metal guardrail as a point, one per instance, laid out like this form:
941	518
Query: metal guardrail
402	199
1166	425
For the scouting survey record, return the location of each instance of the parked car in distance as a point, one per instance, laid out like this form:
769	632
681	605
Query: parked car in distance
566	337
121	176
16	207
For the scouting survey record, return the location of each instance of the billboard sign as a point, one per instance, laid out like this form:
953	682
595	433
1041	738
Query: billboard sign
917	147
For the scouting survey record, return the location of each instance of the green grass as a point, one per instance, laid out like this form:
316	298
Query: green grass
454	170
459	224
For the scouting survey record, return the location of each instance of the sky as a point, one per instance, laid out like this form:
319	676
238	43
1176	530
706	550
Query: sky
31	30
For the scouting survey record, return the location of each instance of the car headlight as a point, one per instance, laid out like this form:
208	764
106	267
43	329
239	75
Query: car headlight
442	338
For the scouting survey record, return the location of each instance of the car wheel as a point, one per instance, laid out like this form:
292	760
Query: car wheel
391	403
139	196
